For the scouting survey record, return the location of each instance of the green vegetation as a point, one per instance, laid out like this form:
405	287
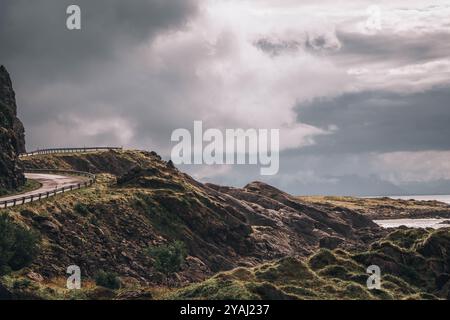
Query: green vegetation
22	284
285	279
81	208
415	264
288	279
30	185
18	245
108	280
122	214
169	258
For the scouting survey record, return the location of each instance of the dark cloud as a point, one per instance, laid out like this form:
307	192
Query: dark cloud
107	84
302	174
275	48
426	188
354	185
64	79
36	42
381	121
351	48
392	48
312	43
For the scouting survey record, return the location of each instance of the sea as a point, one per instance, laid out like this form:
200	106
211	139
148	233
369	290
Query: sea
418	223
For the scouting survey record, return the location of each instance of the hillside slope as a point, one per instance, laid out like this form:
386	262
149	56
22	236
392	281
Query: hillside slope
142	201
255	242
415	264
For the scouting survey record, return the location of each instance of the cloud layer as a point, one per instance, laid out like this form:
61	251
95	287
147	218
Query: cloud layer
340	92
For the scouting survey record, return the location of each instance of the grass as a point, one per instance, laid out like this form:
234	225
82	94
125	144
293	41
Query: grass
149	211
409	269
30	185
285	279
410	262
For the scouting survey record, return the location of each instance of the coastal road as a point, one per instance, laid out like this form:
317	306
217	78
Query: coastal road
50	183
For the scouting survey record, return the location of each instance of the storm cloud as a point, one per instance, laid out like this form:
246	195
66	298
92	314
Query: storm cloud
35	39
351	103
381	121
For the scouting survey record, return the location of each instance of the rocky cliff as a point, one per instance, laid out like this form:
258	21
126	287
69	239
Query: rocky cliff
12	136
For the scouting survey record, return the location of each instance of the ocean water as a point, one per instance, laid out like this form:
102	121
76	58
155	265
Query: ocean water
413	223
417	223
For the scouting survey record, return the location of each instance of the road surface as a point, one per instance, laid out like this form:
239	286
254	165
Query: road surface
49	182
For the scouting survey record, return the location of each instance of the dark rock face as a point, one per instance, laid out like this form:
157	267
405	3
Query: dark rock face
12	136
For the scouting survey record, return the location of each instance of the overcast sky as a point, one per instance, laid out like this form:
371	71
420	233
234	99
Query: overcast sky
362	108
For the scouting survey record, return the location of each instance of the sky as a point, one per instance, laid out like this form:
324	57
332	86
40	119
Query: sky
358	89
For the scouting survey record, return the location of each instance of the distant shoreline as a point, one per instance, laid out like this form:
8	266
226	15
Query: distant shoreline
393	207
445	198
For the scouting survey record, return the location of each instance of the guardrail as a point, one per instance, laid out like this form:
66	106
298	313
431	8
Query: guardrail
68	150
20	200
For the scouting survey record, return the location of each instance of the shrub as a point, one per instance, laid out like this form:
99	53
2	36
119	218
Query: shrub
108	280
22	284
322	258
169	258
18	245
81	209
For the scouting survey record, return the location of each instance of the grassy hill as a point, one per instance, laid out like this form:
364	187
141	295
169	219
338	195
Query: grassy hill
147	230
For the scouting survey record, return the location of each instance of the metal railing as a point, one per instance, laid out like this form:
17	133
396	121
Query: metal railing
20	200
68	150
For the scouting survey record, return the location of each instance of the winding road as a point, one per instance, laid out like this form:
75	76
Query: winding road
50	183
54	181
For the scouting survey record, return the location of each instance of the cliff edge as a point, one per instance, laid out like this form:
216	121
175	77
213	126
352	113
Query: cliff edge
12	136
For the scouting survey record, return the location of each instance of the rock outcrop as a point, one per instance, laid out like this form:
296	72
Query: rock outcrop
142	201
255	242
12	136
